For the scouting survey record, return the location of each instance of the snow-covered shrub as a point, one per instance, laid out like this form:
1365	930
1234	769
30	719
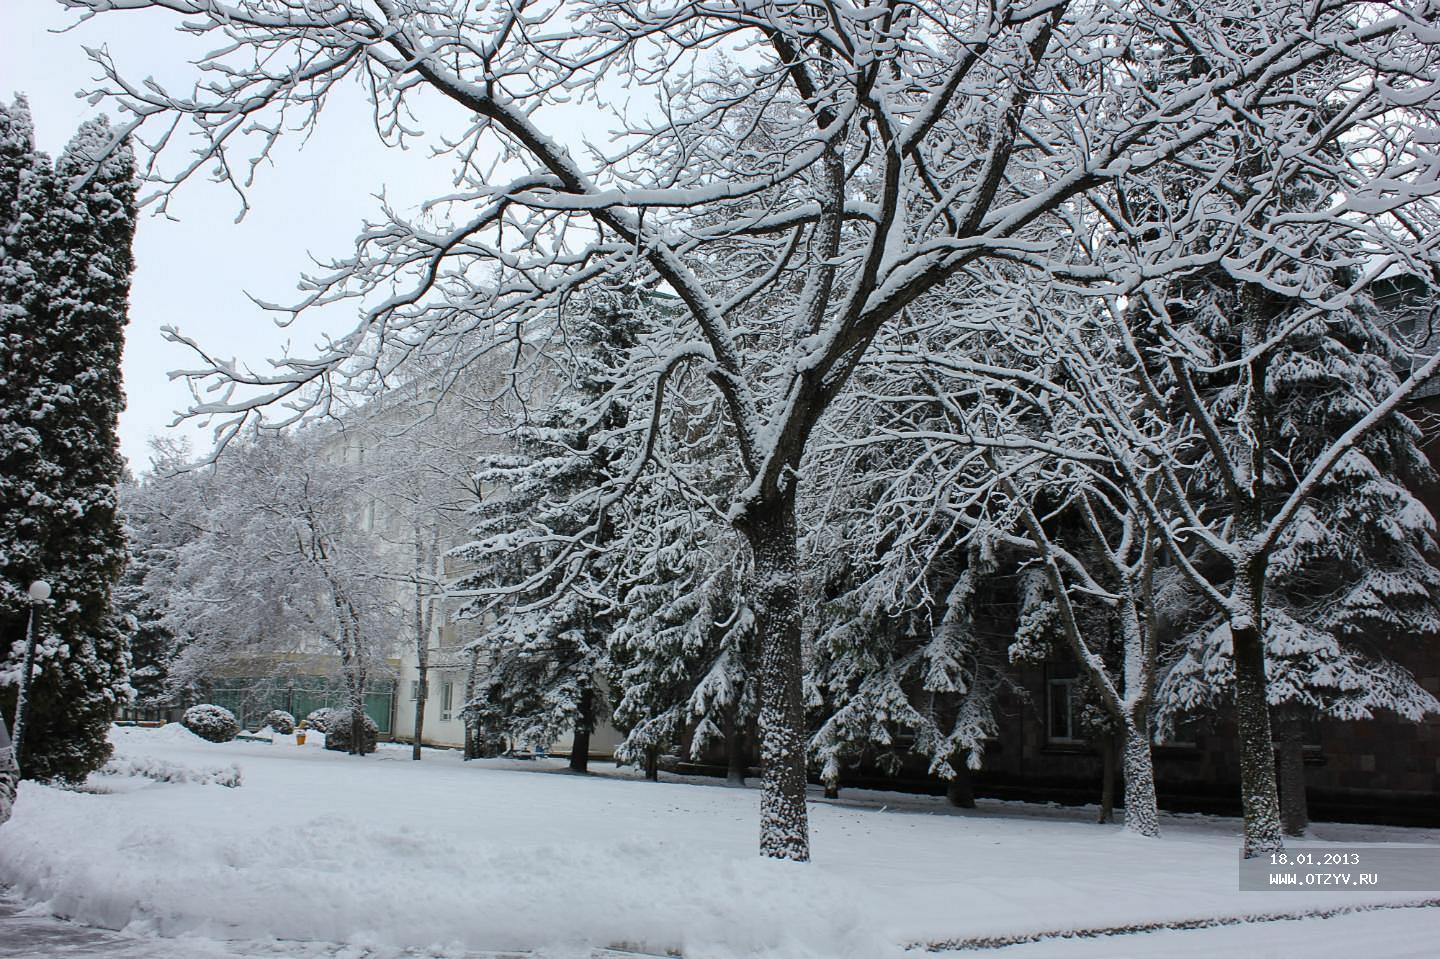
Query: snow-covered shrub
215	723
280	721
320	718
337	734
167	772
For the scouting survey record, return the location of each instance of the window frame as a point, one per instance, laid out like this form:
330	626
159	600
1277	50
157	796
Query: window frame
1072	717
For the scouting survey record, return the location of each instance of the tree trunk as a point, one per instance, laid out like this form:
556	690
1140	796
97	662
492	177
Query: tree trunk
734	752
472	727
1294	810
1142	813
423	671
652	764
357	715
959	790
784	825
832	789
1258	794
352	667
1107	780
422	634
580	745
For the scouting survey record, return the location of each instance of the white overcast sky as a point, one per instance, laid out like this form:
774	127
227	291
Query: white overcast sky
194	272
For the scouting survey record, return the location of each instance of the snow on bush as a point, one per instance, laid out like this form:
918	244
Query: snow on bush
337	736
320	718
168	733
163	771
215	723
280	721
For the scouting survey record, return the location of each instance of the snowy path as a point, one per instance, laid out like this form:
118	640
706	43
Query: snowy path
392	858
1411	934
27	935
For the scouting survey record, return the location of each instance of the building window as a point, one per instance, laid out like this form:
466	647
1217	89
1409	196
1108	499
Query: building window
1062	712
415	690
1183	736
447	698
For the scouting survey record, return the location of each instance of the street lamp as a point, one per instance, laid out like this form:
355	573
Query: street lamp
39	592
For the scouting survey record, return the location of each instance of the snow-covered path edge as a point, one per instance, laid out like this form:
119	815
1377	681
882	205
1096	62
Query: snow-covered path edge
983	943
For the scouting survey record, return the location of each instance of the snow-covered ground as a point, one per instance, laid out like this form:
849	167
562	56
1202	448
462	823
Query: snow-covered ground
383	854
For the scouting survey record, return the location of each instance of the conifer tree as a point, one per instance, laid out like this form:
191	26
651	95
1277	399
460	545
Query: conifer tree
683	653
65	267
906	654
544	652
139	598
1354	577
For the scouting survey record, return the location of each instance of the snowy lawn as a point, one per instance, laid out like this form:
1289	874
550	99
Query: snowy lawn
387	854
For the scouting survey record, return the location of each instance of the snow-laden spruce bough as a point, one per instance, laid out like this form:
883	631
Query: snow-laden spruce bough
810	176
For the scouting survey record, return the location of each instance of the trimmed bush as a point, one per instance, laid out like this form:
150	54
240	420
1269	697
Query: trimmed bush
215	723
280	721
319	720
337	735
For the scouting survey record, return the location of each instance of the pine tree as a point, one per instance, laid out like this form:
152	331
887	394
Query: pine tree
684	654
64	282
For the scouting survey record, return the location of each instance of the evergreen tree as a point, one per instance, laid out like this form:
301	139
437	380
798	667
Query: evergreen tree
539	539
906	653
139	598
683	654
65	266
1354	577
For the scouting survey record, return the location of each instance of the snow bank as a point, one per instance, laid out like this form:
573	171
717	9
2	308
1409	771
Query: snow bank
387	854
168	733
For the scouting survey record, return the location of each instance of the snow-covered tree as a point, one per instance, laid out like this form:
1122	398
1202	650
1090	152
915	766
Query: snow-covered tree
798	176
985	472
906	643
65	263
682	655
164	508
138	598
283	566
420	446
1222	480
549	611
1352	578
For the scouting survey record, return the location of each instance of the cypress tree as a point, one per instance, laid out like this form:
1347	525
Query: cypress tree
65	271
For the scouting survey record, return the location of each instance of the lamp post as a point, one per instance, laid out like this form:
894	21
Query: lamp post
9	773
39	593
